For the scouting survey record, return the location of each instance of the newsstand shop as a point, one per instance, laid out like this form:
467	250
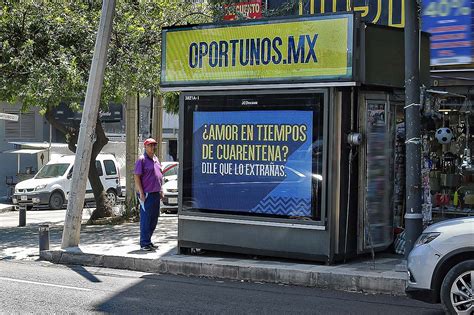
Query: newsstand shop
289	132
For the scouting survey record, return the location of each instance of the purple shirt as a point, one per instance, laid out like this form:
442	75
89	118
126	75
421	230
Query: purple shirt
150	173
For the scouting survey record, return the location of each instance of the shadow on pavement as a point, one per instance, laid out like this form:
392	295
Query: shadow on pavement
166	294
23	242
83	272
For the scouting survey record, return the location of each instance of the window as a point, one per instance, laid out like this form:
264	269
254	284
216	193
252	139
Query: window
52	170
99	168
24	128
110	167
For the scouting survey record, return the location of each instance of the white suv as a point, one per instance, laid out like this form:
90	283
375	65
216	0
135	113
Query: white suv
52	183
441	266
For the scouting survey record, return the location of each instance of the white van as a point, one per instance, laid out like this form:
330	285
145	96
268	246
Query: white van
51	185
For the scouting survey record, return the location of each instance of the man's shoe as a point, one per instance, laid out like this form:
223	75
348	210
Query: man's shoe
147	248
154	246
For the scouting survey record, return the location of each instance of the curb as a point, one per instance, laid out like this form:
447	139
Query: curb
317	276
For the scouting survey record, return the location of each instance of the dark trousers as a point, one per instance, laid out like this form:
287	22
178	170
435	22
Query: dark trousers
149	217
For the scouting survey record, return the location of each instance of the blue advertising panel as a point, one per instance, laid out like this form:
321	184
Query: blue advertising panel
254	161
449	23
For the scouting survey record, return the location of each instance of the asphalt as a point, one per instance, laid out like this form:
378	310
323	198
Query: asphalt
116	246
45	288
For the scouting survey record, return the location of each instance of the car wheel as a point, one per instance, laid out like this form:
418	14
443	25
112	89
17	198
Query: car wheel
56	200
457	289
111	197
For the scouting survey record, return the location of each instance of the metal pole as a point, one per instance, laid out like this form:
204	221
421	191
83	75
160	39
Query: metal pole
151	114
72	224
43	234
158	124
413	216
22	216
131	143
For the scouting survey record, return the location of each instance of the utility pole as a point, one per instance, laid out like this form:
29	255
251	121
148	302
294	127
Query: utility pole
157	124
131	130
413	215
72	224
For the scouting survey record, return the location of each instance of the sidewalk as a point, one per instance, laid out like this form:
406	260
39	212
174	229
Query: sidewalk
117	247
6	207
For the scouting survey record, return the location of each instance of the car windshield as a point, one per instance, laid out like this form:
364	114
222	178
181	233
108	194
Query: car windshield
52	170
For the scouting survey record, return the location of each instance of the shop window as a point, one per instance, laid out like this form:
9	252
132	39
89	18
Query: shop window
448	164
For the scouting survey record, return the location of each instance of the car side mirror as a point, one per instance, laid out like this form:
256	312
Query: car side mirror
69	176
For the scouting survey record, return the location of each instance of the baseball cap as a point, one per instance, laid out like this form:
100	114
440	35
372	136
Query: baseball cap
149	141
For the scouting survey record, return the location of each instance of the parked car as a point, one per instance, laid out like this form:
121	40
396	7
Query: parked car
170	192
169	169
441	266
51	185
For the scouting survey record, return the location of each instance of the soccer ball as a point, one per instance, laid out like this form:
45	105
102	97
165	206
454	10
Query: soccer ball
444	135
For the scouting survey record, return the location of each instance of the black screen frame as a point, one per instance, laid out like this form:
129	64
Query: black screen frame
314	100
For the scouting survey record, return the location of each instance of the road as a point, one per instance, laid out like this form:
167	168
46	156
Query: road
41	287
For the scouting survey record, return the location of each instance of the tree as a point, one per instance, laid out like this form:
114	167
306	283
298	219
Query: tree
46	52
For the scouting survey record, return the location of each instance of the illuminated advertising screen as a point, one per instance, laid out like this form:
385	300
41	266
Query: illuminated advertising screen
260	161
306	49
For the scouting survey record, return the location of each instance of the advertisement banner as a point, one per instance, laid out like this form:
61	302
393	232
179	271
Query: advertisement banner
449	23
256	161
315	48
249	10
380	12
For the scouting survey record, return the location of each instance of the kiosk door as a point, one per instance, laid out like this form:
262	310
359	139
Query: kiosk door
375	188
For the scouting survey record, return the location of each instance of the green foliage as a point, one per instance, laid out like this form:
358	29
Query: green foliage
47	47
171	102
290	7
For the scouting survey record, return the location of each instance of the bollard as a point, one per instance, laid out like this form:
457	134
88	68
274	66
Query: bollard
22	211
43	237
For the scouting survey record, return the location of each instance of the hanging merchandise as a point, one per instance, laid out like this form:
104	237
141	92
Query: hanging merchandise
426	167
399	175
466	165
444	135
447	141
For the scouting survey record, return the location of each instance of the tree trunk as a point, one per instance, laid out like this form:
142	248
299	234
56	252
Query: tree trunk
103	209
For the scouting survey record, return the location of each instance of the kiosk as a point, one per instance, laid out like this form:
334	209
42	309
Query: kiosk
287	131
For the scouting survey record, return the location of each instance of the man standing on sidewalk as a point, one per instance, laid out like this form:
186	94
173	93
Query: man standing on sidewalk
148	180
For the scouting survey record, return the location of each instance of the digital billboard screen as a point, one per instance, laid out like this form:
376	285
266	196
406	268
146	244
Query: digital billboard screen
263	160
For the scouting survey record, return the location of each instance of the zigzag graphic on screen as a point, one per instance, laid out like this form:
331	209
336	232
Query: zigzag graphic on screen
283	205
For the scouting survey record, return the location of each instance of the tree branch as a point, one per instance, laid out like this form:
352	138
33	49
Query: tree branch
53	122
100	141
191	14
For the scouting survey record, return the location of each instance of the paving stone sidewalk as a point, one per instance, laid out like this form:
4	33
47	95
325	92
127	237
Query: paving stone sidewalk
116	246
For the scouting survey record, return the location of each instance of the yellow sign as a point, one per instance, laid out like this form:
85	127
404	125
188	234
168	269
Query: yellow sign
386	12
309	49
